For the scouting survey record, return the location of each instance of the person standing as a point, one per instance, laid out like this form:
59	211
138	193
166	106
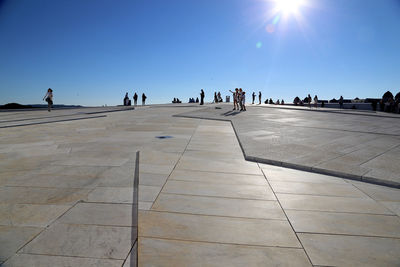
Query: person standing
239	98
234	96
309	100
259	97
135	97
254	98
316	101
243	101
201	97
49	99
215	97
341	102
144	99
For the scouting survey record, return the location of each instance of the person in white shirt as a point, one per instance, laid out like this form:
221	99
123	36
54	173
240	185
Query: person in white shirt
49	99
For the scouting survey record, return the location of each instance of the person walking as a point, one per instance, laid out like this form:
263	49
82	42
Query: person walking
253	97
202	97
49	99
135	97
144	99
259	97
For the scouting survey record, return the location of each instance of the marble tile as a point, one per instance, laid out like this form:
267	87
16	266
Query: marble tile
392	206
99	214
329	203
12	238
219	206
219	190
56	181
161	252
23	260
123	194
218	178
30	215
274	173
377	192
216	229
108	242
343	190
344	223
340	250
28	195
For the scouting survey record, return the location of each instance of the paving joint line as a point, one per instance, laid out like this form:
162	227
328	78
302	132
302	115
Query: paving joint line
214	215
220	243
284	212
259	199
358	235
176	164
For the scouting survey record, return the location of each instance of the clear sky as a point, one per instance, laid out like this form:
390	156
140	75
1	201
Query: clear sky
93	51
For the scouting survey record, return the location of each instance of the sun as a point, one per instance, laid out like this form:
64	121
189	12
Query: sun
288	6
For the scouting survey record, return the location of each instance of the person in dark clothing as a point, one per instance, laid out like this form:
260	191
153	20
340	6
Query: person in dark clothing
254	98
197	100
135	97
341	102
259	97
202	97
215	97
144	99
126	99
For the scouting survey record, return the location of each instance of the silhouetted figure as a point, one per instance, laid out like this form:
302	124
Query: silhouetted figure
341	102
135	97
253	98
219	98
215	97
144	99
316	101
282	102
49	99
270	101
202	97
197	100
296	101
126	99
259	97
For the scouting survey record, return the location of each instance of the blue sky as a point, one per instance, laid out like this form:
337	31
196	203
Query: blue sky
93	51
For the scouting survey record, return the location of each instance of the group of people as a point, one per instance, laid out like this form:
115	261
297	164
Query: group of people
271	102
127	101
176	100
308	101
239	99
192	100
217	97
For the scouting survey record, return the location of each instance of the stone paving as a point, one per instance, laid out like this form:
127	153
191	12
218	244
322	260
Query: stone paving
66	194
357	145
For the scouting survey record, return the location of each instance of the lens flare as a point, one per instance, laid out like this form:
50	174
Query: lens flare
289	6
270	28
258	44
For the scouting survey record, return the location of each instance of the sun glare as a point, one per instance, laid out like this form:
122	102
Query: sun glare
288	6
